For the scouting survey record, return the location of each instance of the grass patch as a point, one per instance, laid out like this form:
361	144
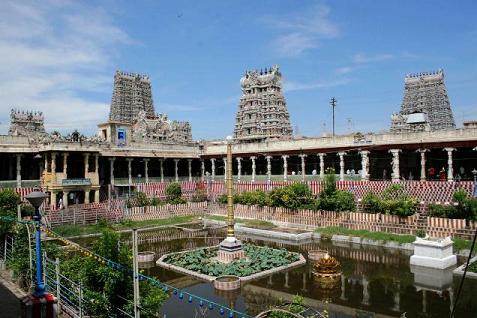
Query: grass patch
76	230
377	236
460	244
246	222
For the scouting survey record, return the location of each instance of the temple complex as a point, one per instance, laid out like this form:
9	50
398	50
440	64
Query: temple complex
262	113
425	105
138	146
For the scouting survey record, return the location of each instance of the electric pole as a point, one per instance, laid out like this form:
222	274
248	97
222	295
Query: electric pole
333	105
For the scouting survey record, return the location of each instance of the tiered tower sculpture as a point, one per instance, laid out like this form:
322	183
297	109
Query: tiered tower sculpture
131	94
262	113
425	105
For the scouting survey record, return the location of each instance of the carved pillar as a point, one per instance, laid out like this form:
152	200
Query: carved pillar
111	169
423	163
19	171
65	165
450	168
96	196
65	199
212	161
46	162
189	165
395	164
161	167
254	167
146	170
86	196
285	167
365	300
176	169
86	164
225	168
53	162
341	154
239	168
202	170
364	165
129	160
303	166
322	164
269	167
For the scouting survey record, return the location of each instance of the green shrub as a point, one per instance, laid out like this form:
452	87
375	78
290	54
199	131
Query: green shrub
420	233
344	201
257	197
179	200
394	192
155	201
141	199
9	200
293	196
332	199
27	210
200	195
329	187
173	191
222	199
371	203
440	211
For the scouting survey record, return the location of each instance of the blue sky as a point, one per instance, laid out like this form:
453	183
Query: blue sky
60	56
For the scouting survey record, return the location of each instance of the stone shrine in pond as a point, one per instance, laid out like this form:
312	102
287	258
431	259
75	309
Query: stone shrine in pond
262	113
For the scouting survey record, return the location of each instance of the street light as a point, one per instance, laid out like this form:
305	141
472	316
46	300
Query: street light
36	199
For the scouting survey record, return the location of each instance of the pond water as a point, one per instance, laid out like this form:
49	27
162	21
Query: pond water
377	282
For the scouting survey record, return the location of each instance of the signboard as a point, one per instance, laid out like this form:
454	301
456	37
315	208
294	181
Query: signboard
77	181
121	137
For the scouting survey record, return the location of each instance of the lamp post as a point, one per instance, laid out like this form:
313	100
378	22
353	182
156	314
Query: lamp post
36	198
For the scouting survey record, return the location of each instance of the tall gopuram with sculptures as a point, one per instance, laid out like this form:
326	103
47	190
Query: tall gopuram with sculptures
425	105
136	148
262	113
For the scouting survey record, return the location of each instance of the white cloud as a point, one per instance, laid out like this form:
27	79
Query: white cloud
50	53
364	58
301	31
344	70
296	86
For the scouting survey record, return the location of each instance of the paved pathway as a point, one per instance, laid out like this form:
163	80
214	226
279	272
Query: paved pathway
9	303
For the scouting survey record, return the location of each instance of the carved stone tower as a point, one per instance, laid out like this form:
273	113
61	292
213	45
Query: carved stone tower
131	94
425	105
28	124
262	112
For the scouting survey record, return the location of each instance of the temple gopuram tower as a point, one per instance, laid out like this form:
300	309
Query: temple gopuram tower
262	112
425	105
131	94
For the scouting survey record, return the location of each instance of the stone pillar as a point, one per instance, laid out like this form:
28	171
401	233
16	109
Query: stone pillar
10	168
302	156
53	199
341	154
212	161
189	165
423	163
19	171
239	168
86	196
176	169
111	169
397	298
286	280
285	167
53	162
96	165
254	167
450	168
65	165
46	162
202	170
225	168
364	165
65	198
343	288
129	160
86	164
395	164
269	167
161	167
146	170
322	164
424	301
365	300
96	196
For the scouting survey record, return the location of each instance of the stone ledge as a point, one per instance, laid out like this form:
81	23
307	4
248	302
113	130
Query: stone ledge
460	270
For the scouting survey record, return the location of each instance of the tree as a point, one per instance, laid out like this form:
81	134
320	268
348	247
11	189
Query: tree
9	200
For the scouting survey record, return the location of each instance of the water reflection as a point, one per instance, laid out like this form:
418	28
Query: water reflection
374	283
